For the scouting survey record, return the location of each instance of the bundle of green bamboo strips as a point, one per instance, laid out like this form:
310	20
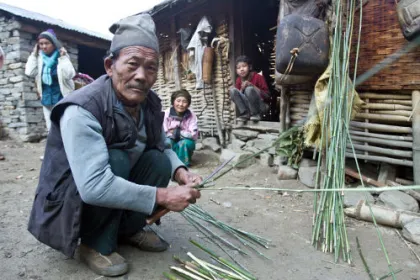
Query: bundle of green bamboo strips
329	228
198	269
195	215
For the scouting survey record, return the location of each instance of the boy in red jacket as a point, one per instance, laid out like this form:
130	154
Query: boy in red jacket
250	93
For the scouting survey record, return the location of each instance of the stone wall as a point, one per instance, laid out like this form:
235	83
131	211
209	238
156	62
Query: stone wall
20	109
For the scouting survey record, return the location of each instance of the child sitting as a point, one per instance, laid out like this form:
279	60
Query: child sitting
250	93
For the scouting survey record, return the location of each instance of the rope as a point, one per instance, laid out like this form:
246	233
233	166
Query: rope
294	54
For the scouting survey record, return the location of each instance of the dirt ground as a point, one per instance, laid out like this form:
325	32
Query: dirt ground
283	218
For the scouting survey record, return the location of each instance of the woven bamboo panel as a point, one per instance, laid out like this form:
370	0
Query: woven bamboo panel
203	103
391	142
299	105
382	36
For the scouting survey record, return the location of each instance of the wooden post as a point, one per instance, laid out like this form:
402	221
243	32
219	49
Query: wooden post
416	136
175	50
283	109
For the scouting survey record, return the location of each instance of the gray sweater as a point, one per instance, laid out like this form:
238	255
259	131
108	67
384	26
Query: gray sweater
88	158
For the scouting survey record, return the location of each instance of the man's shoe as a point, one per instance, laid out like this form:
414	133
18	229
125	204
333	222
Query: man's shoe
110	265
147	241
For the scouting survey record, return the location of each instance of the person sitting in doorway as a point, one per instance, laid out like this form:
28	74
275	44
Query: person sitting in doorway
180	125
50	64
250	93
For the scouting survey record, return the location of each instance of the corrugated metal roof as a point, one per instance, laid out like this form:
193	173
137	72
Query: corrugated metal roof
166	4
51	21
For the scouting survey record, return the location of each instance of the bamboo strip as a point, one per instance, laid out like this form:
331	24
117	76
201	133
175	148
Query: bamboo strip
382	127
394	113
402	162
399	102
382	117
382	136
384	106
385	96
384	151
297	109
391	143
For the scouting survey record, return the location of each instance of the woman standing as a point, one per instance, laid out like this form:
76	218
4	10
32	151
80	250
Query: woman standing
180	125
50	64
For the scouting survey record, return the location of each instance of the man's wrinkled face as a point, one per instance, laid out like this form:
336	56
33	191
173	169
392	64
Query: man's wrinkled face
133	73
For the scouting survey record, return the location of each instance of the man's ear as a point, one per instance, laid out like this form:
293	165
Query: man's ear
108	62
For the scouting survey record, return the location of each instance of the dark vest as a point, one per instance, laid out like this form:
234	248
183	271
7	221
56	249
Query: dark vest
56	212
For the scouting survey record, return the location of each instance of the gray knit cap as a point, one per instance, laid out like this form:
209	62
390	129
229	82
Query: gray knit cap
137	30
50	36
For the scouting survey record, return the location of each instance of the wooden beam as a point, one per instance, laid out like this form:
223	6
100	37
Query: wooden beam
175	50
416	135
67	35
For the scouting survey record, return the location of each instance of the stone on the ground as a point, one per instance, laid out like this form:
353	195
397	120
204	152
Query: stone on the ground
244	134
30	137
251	150
250	143
237	144
268	137
286	172
262	143
351	199
411	231
238	157
308	163
212	144
399	200
307	176
266	159
198	146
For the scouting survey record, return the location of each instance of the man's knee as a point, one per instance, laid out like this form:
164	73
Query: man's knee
160	162
120	163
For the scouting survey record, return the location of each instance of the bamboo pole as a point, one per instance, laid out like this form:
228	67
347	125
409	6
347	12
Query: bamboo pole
393	143
398	102
404	182
385	106
352	173
385	96
382	136
298	110
382	127
416	136
402	162
283	108
382	117
383	216
383	151
406	114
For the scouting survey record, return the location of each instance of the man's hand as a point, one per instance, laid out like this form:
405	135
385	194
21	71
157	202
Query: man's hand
177	198
184	177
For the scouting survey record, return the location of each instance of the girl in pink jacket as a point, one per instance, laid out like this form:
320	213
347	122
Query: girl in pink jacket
180	125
